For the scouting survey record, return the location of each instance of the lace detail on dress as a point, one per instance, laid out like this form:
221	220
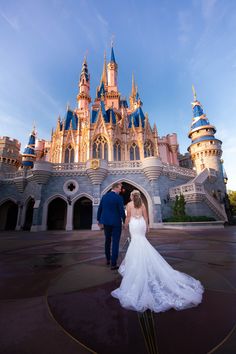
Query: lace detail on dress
149	282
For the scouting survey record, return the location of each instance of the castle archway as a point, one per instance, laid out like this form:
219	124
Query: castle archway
127	187
82	215
57	213
8	215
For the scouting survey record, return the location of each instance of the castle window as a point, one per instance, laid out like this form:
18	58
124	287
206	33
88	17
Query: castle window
117	151
69	154
134	152
100	148
148	149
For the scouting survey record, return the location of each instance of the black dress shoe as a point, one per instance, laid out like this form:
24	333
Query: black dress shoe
114	267
108	263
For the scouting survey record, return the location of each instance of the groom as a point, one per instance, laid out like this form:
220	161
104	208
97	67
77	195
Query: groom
110	214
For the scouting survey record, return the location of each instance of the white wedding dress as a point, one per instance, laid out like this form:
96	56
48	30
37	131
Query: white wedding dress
149	282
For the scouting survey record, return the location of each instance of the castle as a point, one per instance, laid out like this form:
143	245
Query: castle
58	184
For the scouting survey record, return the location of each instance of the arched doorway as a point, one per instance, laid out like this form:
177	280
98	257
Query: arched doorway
29	214
57	210
8	215
82	216
127	188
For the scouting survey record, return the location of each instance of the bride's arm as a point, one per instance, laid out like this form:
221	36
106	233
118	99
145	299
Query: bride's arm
127	219
145	216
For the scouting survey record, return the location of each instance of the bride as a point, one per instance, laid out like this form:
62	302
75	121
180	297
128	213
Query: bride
149	282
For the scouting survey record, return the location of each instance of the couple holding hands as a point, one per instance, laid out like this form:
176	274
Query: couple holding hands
149	282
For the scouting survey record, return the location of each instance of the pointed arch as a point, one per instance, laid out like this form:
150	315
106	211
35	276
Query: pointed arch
117	151
139	187
8	214
134	152
148	148
100	147
46	205
57	214
69	154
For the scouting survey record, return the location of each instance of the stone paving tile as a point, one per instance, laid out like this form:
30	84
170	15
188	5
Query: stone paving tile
33	264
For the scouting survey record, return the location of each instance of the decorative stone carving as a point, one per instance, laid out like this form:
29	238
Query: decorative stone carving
96	170
41	172
152	167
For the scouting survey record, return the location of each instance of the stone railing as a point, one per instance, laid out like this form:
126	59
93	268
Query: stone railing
178	170
193	191
185	189
20	173
125	164
76	166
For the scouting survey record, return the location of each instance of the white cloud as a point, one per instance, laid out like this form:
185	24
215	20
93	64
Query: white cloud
102	20
208	8
12	21
185	26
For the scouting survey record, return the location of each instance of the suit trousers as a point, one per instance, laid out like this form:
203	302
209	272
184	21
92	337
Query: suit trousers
112	236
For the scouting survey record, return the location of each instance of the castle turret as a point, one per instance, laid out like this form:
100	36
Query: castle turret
83	97
112	69
10	158
29	154
113	96
205	150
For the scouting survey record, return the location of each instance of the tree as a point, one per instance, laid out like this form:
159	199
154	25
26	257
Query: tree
232	199
179	206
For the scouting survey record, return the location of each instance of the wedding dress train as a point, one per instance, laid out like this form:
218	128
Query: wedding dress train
149	282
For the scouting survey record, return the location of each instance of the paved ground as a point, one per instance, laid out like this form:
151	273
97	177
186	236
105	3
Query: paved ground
49	279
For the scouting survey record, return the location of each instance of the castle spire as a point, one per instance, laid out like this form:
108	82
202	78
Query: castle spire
29	154
83	98
205	149
133	92
194	94
104	71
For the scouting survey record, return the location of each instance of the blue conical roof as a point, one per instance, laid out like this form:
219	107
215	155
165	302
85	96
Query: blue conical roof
71	118
84	70
107	114
134	118
113	60
29	151
30	147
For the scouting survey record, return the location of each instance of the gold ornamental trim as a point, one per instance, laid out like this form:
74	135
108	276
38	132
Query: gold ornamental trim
95	164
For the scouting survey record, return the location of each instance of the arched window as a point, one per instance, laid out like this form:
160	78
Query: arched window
69	154
117	151
148	149
134	152
100	148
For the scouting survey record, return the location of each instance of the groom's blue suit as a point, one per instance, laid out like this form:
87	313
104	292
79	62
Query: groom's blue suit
110	214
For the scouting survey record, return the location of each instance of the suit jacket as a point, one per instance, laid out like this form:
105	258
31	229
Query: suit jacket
111	210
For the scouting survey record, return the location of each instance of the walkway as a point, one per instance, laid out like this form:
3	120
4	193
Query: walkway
55	295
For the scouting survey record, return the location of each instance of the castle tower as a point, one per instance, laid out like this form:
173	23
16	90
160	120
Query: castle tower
10	158
205	150
112	69
29	154
132	97
83	97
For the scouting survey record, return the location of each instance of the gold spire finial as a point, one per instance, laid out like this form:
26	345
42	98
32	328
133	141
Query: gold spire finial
104	71
194	93
112	40
133	92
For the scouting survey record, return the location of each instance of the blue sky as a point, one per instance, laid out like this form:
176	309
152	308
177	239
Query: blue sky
168	45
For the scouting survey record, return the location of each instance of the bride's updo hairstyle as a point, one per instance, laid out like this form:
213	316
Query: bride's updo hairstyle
136	198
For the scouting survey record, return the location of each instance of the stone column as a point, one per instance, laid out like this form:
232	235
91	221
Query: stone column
19	217
96	170
152	167
69	217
